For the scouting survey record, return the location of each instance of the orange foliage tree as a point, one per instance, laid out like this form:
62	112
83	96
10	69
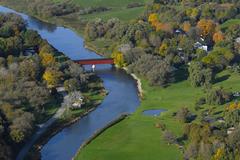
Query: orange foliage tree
218	37
207	27
186	26
153	20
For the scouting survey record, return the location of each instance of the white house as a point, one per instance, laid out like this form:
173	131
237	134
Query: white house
199	45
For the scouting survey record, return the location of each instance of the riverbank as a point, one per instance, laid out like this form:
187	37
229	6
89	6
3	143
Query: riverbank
57	127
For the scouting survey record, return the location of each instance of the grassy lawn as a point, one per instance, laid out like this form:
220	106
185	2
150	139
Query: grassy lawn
137	137
230	23
109	3
118	8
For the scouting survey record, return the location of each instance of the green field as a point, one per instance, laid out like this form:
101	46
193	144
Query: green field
108	3
118	8
230	23
137	137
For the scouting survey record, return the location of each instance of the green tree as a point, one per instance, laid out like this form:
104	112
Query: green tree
199	75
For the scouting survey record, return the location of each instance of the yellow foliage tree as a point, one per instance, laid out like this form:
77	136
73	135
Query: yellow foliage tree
163	49
194	13
233	106
47	59
118	59
52	77
218	37
219	154
153	19
207	27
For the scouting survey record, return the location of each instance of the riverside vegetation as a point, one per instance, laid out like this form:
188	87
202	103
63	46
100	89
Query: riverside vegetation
187	56
30	71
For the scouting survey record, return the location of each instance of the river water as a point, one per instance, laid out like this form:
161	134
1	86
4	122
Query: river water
122	97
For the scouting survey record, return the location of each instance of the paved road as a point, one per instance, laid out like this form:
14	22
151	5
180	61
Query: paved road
42	128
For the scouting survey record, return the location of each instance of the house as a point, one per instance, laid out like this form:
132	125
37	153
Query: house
230	130
199	45
238	40
179	31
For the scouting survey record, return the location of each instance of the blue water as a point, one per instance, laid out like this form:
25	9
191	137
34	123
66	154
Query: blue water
154	112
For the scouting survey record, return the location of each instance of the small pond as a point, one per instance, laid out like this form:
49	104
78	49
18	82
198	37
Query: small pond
154	112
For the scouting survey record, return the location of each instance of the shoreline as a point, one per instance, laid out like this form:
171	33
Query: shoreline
57	127
100	131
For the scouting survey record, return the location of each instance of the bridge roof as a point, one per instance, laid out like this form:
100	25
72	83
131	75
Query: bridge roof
95	61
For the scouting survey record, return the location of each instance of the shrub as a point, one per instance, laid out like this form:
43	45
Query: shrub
169	137
218	97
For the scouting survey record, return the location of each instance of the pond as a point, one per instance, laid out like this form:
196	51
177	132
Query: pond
153	112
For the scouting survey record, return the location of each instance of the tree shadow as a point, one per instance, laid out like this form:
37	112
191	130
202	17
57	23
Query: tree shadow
181	74
221	79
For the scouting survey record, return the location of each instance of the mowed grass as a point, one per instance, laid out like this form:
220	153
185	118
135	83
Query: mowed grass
105	3
230	23
118	8
137	138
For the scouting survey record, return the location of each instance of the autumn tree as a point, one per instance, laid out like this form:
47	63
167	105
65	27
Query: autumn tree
186	26
207	27
163	49
52	76
218	37
118	58
47	59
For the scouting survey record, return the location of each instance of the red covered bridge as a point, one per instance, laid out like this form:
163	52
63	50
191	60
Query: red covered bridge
95	61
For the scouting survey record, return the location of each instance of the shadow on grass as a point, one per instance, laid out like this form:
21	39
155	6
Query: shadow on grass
181	74
221	79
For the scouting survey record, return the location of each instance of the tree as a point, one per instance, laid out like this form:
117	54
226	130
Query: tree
118	59
199	75
47	59
207	27
184	115
186	26
219	154
169	137
74	100
218	37
52	76
71	85
163	49
31	38
153	19
219	56
218	96
22	127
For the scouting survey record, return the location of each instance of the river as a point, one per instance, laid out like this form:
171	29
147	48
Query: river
122	97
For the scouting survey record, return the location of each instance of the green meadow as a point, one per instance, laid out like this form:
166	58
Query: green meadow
136	137
118	8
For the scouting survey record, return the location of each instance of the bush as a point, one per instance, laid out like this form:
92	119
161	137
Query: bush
199	75
218	97
169	137
184	115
